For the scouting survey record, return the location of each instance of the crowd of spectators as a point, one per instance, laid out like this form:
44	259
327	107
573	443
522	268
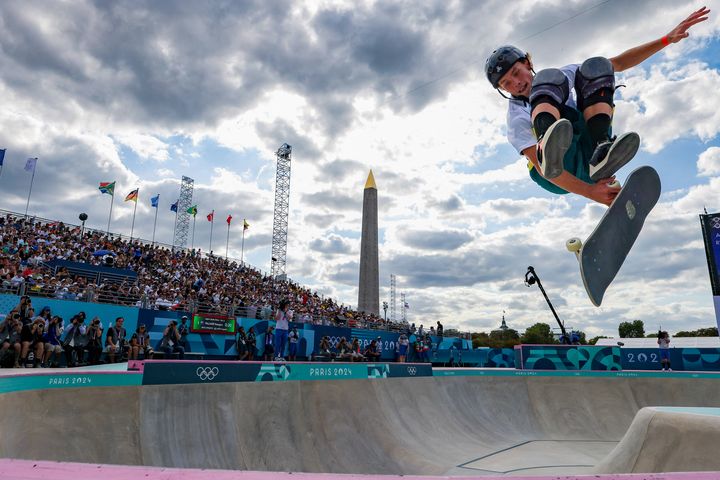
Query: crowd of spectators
186	280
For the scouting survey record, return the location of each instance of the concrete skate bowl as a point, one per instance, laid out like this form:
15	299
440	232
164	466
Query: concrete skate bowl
480	425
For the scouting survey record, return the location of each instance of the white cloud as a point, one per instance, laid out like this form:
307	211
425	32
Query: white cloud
146	146
709	162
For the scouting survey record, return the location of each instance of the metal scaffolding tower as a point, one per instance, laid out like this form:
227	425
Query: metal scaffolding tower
393	284
182	220
403	307
280	215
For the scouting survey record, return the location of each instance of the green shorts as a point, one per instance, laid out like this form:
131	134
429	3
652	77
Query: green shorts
577	158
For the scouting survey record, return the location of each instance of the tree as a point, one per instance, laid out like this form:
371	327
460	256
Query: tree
496	339
702	332
636	329
540	333
594	340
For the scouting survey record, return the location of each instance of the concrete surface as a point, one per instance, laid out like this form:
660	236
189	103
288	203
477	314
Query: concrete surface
411	426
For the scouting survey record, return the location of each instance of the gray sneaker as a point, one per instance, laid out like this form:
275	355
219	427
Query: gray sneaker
551	148
611	156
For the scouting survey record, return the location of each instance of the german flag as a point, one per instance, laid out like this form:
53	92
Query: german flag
132	196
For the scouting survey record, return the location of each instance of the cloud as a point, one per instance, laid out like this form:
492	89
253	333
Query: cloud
332	245
435	240
708	163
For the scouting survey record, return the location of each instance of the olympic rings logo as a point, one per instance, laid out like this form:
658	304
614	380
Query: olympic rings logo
412	371
207	373
715	222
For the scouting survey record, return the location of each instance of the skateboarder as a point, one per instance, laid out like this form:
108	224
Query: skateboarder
568	143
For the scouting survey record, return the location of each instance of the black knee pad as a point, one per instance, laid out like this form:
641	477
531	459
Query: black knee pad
595	82
550	86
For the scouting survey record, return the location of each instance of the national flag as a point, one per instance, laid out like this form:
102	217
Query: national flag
30	164
2	156
155	200
210	216
173	207
407	305
229	219
192	210
107	187
132	196
245	224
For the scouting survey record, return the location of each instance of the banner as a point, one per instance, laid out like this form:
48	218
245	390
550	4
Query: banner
710	225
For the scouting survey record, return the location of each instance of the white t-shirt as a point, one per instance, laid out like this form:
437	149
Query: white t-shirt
281	323
519	123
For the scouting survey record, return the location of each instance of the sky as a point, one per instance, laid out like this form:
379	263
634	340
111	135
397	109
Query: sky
145	92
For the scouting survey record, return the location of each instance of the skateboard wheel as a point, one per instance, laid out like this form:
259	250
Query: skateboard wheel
573	245
615	184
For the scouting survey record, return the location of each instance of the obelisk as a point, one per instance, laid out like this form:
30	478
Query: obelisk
369	287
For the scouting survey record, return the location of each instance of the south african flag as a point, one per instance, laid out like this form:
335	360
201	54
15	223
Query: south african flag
107	187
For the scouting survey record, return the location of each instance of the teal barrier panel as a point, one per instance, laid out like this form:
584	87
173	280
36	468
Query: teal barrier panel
569	357
70	380
174	372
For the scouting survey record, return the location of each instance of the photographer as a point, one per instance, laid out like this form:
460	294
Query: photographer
664	345
94	344
75	340
10	345
33	347
170	341
184	330
52	341
115	343
140	341
293	339
251	344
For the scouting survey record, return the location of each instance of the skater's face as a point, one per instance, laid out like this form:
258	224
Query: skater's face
518	80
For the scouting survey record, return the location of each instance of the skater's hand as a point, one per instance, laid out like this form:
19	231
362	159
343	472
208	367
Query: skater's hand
602	192
680	32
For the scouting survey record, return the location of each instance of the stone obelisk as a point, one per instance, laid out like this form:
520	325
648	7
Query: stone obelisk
369	287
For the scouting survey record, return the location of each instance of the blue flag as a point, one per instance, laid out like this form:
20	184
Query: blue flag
154	200
173	207
2	156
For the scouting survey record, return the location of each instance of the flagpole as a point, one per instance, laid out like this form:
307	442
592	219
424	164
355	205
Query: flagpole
242	247
175	226
192	243
112	200
227	243
32	179
211	228
132	228
157	207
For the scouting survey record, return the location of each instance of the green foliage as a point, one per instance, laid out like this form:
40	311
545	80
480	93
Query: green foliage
702	332
594	340
636	329
496	339
540	334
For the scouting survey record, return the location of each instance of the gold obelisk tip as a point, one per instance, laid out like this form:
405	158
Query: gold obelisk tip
370	181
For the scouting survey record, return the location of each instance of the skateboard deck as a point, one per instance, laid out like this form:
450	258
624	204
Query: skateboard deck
608	245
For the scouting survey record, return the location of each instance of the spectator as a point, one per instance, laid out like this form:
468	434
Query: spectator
140	342
293	339
371	352
11	344
439	332
325	349
356	356
251	344
379	343
94	341
269	342
184	330
418	349
403	345
115	340
242	345
663	342
23	309
33	346
170	342
282	317
75	341
53	349
344	352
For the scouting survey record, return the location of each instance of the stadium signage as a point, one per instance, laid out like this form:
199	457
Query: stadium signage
213	324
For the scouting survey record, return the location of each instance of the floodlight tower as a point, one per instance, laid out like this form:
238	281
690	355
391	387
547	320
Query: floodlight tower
280	215
182	220
403	307
393	284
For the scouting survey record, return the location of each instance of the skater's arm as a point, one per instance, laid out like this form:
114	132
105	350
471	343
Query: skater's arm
637	55
600	192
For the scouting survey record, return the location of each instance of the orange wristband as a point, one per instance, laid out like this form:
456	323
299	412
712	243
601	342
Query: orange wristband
665	41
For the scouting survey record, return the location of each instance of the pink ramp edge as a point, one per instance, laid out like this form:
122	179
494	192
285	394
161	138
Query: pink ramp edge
30	470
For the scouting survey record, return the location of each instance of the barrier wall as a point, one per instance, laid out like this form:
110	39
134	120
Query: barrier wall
159	372
572	357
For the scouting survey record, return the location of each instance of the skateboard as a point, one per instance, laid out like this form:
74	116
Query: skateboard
608	245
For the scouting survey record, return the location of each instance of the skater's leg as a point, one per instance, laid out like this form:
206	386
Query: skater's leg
550	91
595	88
